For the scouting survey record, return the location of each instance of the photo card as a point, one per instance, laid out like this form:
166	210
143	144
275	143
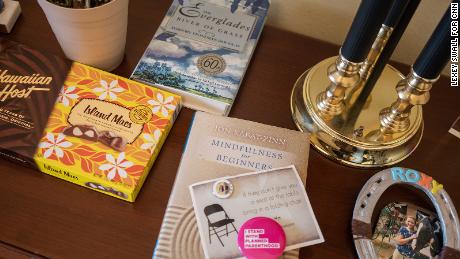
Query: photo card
223	205
404	230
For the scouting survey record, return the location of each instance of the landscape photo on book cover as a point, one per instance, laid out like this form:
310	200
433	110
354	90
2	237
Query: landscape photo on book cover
171	58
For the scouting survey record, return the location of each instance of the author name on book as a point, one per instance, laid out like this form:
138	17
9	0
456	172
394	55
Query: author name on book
242	133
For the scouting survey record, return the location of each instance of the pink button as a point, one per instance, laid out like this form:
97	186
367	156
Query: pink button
261	237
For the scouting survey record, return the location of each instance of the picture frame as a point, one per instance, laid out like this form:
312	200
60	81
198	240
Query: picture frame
376	186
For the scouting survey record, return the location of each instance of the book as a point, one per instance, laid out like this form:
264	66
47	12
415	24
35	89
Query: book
202	49
219	146
105	131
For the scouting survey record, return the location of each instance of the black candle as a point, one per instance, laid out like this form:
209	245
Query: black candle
364	29
398	31
396	12
435	55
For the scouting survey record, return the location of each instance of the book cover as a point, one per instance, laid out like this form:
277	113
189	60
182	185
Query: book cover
216	147
202	49
105	131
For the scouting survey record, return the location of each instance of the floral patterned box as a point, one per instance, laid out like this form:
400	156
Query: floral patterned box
105	131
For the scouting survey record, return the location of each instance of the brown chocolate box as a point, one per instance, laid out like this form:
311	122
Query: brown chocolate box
30	83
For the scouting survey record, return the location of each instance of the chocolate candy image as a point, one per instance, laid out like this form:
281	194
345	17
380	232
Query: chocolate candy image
96	186
118	193
82	131
106	189
113	141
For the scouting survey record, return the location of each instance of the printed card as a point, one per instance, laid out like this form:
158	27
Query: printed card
405	230
455	128
223	205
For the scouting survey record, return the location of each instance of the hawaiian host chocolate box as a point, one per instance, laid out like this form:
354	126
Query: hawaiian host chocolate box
30	81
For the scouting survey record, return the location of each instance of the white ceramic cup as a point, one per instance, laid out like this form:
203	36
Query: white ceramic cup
94	36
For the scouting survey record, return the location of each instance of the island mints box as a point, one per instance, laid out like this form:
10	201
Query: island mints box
202	50
105	131
29	85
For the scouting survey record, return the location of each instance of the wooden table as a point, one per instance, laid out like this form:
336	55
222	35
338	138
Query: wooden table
43	216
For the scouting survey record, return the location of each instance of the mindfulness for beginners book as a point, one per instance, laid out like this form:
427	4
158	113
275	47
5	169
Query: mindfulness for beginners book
216	147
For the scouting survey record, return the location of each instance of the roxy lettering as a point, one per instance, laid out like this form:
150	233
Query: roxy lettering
412	176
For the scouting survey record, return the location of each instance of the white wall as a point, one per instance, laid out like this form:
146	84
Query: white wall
329	20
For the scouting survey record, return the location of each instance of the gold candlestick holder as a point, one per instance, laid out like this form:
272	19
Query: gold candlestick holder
395	119
343	74
349	129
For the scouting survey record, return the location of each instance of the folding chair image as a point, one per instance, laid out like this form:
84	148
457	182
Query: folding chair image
214	226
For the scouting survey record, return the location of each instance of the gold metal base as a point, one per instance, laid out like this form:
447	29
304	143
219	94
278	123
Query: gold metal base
354	137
